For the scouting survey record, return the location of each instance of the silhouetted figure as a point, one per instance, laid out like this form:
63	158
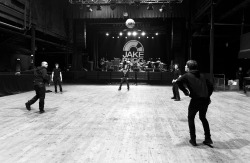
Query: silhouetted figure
41	77
200	90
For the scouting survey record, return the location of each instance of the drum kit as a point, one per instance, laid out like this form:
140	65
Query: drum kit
135	65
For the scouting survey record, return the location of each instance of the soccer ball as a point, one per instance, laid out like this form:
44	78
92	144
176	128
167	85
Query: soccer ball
130	23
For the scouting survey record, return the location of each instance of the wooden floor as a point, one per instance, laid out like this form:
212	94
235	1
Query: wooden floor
97	123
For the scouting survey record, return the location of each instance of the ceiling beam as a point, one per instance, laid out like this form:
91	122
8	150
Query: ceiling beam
235	9
204	8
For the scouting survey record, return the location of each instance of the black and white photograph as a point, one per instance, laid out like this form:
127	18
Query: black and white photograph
124	81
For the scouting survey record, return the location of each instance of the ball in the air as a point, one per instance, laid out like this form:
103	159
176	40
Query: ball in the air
130	23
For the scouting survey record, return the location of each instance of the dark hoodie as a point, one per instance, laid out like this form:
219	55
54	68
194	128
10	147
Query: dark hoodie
199	87
41	76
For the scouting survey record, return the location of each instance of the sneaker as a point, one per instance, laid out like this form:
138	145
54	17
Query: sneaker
193	142
119	89
128	88
208	141
172	97
177	99
27	106
42	111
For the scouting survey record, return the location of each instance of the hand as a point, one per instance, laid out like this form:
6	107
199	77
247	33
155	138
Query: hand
186	93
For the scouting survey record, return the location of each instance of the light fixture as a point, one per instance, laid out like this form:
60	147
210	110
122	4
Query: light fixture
89	9
156	33
113	37
126	37
134	33
137	4
120	33
152	37
147	36
163	8
139	37
113	4
107	34
99	7
150	6
125	14
129	33
143	33
118	37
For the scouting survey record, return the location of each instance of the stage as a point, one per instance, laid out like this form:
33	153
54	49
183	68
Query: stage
98	123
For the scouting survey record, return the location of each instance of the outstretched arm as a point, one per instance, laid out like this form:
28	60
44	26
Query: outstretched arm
180	82
61	76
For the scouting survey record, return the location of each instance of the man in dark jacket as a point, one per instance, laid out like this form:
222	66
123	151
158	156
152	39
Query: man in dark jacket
200	90
124	78
41	77
177	74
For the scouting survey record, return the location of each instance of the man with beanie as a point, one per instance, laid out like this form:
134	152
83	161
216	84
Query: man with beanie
200	90
41	77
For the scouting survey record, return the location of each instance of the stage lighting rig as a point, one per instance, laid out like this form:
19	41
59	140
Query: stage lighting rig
113	4
89	9
137	3
150	6
163	8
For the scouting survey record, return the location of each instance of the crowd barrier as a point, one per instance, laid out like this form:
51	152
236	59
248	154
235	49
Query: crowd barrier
101	76
13	84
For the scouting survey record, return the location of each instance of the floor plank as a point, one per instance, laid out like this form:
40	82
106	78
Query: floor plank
97	123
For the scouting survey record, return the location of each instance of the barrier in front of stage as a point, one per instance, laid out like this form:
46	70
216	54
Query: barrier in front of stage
12	84
100	76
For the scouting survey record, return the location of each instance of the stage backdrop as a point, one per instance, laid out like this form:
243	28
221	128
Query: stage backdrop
111	47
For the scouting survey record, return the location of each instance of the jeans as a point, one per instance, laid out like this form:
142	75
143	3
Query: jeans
40	94
201	106
124	79
57	81
175	89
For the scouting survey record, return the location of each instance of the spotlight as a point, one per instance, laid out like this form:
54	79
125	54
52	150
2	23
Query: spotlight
89	9
113	37
126	37
107	34
143	33
99	7
134	33
120	33
147	36
163	8
156	33
125	14
118	37
129	33
139	37
150	6
152	37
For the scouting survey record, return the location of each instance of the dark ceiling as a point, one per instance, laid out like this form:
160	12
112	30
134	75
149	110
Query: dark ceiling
231	17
